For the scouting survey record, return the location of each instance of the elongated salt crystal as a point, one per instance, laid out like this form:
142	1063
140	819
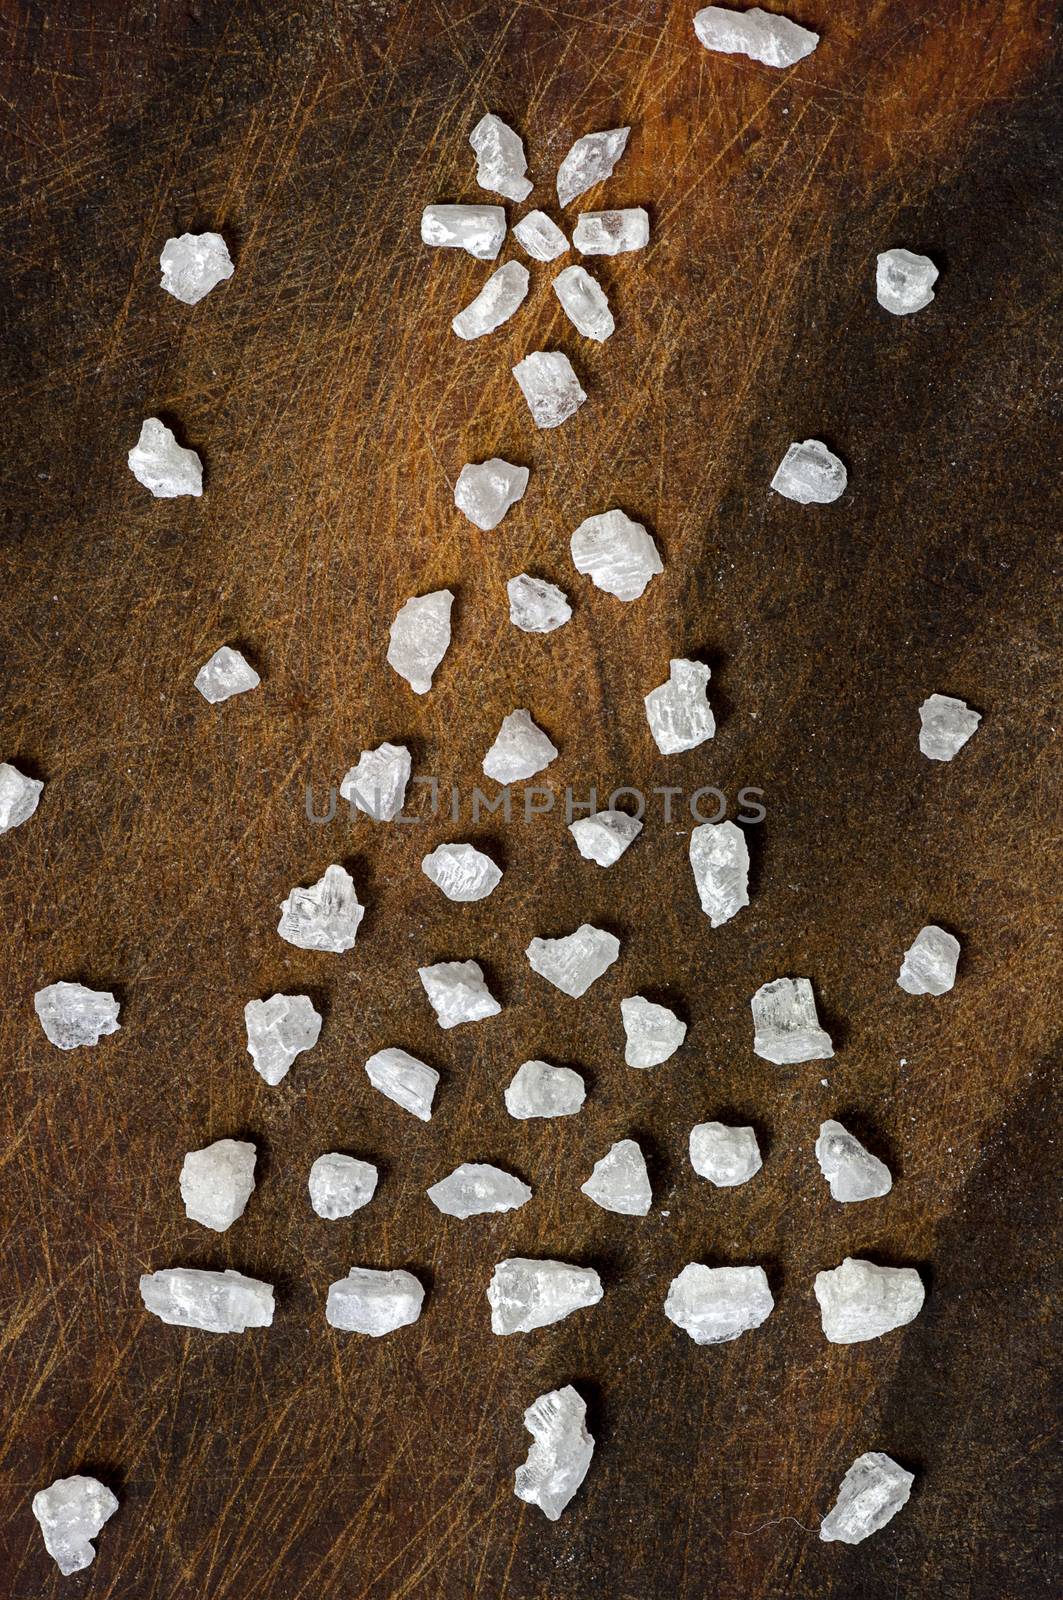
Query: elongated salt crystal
860	1300
500	159
591	160
476	1188
525	1294
717	1304
502	295
559	1459
372	1302
463	873
678	711
376	785
763	36
611	233
540	236
420	638
719	858
72	1015
214	1302
929	965
872	1492
403	1079
584	302
478	229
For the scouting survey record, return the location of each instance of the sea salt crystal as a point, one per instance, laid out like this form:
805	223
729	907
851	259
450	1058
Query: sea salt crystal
929	965
525	1295
617	554
162	465
591	160
462	872
72	1015
540	1090
458	992
584	302
214	1302
719	858
717	1304
946	726
486	491
726	1156
678	711
278	1030
217	1182
536	606
420	638
786	1028
576	961
474	1189
477	229
872	1492
502	295
20	796
852	1172
550	387
653	1032
605	836
225	674
500	159
371	1302
558	1460
325	916
860	1300
620	1181
521	749
71	1512
611	233
193	265
763	36
810	474
540	236
377	783
904	282
405	1080
340	1185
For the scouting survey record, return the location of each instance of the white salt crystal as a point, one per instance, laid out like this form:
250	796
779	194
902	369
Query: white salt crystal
71	1512
617	554
653	1032
611	233
591	160
719	858
536	606
500	159
486	490
477	229
214	1302
810	474
502	295
561	1455
420	638
521	749
604	837
278	1030
872	1492
340	1185
717	1304
904	282
217	1182
474	1189
377	783
678	711
540	1090
72	1015
726	1156
620	1181
525	1295
162	465
763	36
458	992
576	961
325	916
371	1302
584	302
946	725
193	265
540	236
860	1300
405	1080
852	1172
550	387
786	1028
929	965
19	796
463	873
225	674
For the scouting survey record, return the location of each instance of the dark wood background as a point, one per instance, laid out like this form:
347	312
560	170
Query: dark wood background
333	409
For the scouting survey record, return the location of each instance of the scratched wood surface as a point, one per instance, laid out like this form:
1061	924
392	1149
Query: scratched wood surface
333	409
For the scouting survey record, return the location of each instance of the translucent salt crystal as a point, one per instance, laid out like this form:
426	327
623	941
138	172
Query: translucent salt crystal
72	1015
540	236
653	1032
502	294
486	490
872	1492
605	836
420	638
717	1304
786	1028
584	302
611	233
371	1302
550	387
561	1455
474	1189
405	1080
591	160
377	783
525	1295
860	1300
458	992
719	859
929	965
325	916
71	1512
217	1182
620	1181
540	1090
500	159
462	872
193	265
725	1156
761	35
617	554
20	796
162	465
279	1029
521	749
214	1302
904	282
340	1185
477	229
810	474
536	606
678	712
225	674
576	961
946	726
852	1172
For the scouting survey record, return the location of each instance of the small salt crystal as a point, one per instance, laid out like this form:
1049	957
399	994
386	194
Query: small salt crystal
761	35
584	302
604	837
405	1080
486	491
458	992
225	674
420	638
859	1300
620	1181
521	749
525	1295
540	1090
591	160
576	961
540	236
502	295
786	1028
214	1302
193	265
852	1172
872	1492
561	1455
653	1032
678	711
717	1304
340	1185
371	1302
19	795
325	916
536	606
71	1512
904	282
474	1189
477	229
810	474
278	1030
550	387
500	160
72	1015
162	465
617	554
725	1156
377	784
463	873
217	1182
719	858
946	726
611	233
929	965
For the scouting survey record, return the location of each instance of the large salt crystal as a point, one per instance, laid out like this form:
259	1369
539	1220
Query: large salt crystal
536	606
486	490
193	265
561	1454
325	916
585	304
525	1295
761	35
405	1080
72	1015
377	784
279	1029
852	1172
71	1512
540	236
653	1032
340	1185
591	160
217	1182
860	1300
420	638
474	1189
929	965
367	1301
162	465
872	1492
678	711
502	294
717	1304
477	229
500	159
904	282
576	961
719	859
946	725
539	1090
605	836
521	749
19	795
620	1181
786	1028
550	387
617	554
810	474
225	674
214	1302
458	992
611	233
462	872
726	1156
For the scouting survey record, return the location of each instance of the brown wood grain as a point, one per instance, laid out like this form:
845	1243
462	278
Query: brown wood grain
333	409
